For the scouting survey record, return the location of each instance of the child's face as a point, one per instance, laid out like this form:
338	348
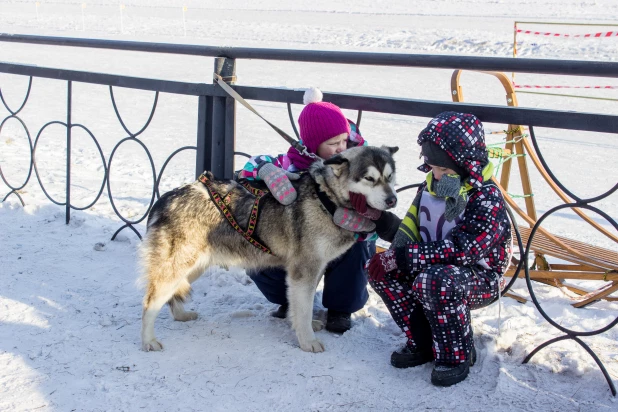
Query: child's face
333	146
439	171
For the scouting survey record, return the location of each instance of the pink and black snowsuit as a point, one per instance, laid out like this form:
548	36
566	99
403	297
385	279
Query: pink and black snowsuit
445	269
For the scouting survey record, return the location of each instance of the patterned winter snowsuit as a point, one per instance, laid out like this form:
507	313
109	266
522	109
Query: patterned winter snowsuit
446	269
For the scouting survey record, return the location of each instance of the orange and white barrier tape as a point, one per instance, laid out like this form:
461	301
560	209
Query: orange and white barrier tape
540	33
536	86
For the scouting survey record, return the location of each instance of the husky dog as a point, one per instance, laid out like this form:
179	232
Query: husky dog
187	233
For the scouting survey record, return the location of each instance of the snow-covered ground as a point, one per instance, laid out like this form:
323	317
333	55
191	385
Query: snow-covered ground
69	307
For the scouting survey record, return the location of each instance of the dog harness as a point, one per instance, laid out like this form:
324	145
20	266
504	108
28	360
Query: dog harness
222	204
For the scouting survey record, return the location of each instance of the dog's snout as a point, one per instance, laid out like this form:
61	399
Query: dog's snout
391	201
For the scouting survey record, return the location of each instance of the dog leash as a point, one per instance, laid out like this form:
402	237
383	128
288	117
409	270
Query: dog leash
302	149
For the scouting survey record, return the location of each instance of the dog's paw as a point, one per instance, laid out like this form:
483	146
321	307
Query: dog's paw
314	346
317	325
153	345
185	316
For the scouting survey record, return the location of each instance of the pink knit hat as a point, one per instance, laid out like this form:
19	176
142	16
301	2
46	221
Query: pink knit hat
320	121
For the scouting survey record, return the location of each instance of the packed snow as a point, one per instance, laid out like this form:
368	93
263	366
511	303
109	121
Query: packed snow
70	308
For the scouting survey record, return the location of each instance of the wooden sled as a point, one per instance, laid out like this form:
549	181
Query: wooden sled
585	262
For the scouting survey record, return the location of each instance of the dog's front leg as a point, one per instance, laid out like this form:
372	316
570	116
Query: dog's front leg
301	290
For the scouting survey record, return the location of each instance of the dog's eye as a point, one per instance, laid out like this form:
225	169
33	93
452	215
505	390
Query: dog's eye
369	179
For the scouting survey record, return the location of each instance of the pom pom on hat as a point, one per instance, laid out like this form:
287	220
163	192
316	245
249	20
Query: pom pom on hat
312	95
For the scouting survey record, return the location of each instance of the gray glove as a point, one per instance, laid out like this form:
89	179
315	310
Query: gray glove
350	219
278	182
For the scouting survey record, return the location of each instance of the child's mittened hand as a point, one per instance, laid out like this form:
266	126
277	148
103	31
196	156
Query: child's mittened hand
359	203
351	220
381	264
278	182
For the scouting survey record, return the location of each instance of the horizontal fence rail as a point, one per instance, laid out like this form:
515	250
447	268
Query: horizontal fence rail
540	66
423	108
215	140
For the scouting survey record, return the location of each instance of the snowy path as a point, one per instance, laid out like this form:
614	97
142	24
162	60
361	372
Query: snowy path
69	307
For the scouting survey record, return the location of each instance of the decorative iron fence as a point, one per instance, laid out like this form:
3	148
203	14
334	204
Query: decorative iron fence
215	140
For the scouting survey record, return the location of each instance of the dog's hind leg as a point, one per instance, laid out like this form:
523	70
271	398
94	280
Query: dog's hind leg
177	306
157	295
302	282
167	283
176	303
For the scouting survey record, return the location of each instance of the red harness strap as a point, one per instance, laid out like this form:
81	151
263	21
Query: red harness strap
222	205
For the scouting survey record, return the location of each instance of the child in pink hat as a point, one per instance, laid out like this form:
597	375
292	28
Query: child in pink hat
325	132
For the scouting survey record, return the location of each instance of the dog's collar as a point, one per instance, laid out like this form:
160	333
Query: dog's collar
326	202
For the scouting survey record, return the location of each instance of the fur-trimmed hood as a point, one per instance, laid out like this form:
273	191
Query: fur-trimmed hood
461	135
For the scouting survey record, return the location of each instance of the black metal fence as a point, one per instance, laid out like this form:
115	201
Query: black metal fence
215	140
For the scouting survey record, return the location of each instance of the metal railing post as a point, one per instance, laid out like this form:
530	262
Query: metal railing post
204	131
68	165
217	127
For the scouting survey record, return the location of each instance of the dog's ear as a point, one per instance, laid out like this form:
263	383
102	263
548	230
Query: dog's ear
391	149
338	163
336	160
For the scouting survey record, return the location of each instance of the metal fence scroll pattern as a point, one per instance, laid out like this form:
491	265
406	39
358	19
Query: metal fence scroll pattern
133	137
578	203
69	126
14	115
215	141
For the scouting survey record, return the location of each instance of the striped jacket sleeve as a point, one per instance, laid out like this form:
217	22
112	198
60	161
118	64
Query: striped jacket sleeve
252	167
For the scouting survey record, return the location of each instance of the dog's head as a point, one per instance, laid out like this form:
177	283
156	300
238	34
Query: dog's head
368	170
